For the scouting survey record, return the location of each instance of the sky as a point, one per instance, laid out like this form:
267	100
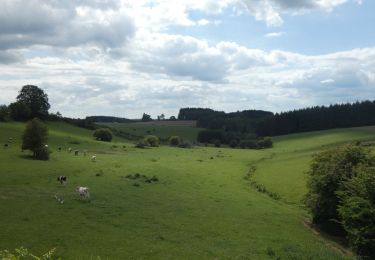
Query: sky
125	58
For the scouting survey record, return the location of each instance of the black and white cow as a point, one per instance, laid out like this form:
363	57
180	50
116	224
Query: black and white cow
61	179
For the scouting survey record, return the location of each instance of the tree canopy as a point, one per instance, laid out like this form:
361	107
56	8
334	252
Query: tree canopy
35	99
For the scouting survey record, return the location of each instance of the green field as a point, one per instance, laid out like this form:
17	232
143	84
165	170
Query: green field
201	207
162	129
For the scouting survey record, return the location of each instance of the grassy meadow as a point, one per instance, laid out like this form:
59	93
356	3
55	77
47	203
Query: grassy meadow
201	207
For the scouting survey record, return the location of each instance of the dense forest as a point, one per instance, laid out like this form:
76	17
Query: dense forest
319	118
241	121
265	123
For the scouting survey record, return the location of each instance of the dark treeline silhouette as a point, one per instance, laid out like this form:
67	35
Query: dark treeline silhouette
241	121
319	118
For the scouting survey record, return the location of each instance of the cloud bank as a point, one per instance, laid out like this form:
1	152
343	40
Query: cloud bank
119	58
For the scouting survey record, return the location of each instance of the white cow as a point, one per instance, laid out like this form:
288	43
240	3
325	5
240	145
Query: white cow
83	192
93	158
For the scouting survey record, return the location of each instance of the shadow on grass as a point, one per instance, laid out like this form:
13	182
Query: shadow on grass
27	157
337	243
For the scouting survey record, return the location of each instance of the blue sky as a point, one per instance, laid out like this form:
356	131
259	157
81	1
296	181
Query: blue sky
114	57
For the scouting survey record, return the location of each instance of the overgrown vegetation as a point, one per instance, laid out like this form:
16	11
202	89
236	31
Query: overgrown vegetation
341	195
249	141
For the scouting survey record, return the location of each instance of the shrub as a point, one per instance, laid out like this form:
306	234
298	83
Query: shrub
142	144
242	144
265	142
174	140
327	173
152	140
217	143
34	139
42	153
233	143
185	144
209	135
357	211
103	134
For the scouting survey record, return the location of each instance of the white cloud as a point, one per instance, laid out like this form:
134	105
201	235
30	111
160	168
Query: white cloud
274	34
119	58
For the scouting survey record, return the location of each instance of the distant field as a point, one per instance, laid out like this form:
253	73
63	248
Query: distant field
200	208
291	157
163	129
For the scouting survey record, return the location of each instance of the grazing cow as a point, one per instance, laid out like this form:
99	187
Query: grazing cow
83	192
76	152
61	179
93	158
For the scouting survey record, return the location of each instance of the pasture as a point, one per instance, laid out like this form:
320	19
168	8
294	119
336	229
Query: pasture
200	207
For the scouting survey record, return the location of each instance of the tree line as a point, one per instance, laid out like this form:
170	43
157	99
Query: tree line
318	118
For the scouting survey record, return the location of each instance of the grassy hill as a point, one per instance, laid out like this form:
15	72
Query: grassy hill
200	208
163	129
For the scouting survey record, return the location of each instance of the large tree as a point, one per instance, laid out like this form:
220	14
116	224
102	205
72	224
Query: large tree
35	98
35	139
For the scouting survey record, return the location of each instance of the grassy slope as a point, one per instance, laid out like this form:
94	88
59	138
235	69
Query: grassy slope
285	172
201	207
163	131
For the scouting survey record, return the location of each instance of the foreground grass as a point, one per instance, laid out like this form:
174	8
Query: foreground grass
201	207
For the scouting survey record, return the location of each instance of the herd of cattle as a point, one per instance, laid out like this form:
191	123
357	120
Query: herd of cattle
83	192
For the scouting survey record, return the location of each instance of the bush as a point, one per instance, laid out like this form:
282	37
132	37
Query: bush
34	139
42	153
141	144
327	173
209	135
152	140
217	143
174	140
103	134
265	142
185	144
357	211
233	143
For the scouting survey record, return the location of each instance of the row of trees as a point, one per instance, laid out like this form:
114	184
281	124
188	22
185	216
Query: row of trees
341	195
234	139
319	118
